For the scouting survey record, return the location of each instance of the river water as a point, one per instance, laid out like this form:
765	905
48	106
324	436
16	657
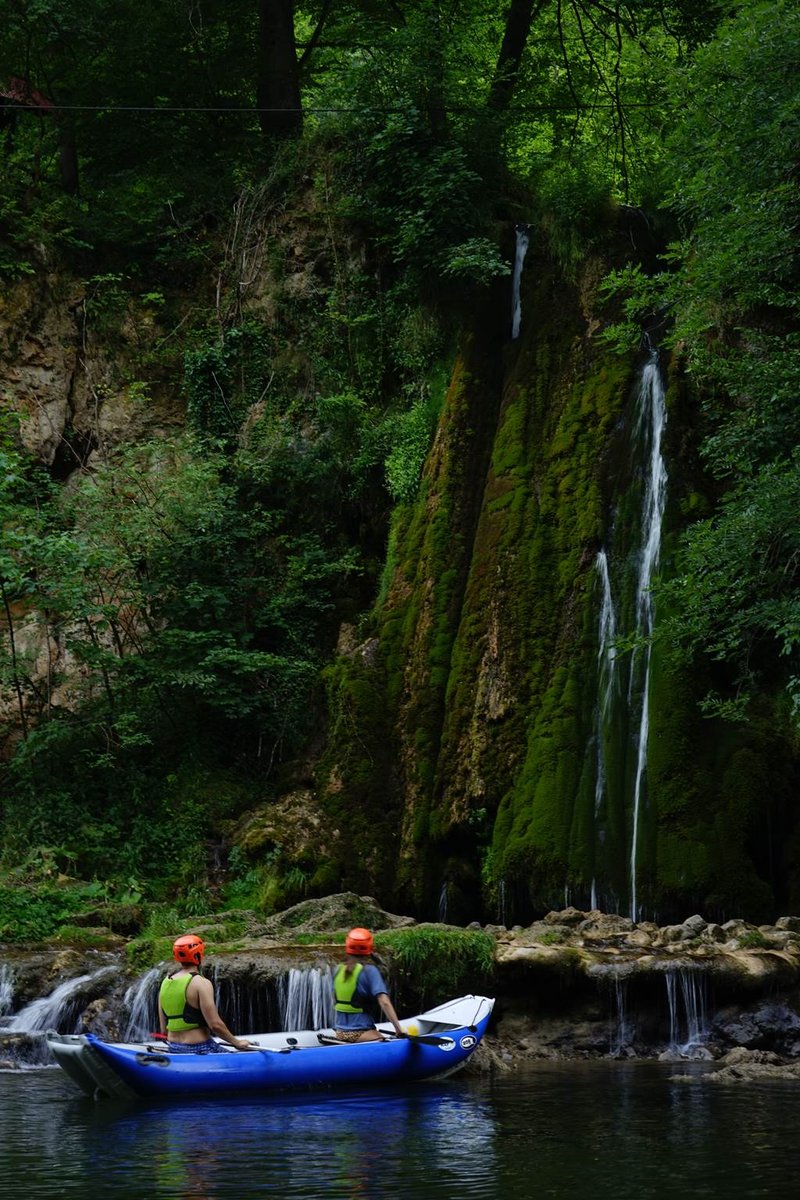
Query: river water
591	1131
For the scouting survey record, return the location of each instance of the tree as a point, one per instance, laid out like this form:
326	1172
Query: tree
278	80
731	291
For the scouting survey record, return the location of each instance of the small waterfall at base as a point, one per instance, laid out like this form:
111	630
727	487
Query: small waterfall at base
651	419
6	989
688	1019
247	1005
62	1008
141	1001
306	999
523	237
622	1033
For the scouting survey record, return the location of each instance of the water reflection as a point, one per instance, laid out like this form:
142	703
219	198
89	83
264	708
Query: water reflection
621	1131
415	1142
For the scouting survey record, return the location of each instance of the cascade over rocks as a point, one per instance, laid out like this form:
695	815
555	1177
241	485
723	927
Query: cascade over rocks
571	985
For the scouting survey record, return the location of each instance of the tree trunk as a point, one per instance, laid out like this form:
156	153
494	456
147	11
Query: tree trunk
518	26
278	83
68	160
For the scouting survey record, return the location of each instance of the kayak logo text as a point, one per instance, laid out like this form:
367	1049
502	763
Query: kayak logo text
467	1042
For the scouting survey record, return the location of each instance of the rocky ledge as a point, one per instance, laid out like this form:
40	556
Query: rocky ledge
571	985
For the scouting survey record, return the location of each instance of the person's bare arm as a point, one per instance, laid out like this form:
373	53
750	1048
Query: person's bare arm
162	1020
390	1014
204	994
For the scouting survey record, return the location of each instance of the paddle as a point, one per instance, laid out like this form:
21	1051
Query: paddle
162	1037
427	1039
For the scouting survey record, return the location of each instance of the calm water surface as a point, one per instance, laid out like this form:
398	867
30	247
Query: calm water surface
596	1130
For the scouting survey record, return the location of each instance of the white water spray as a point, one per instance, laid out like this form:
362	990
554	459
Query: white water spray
141	1001
651	419
306	999
688	1022
61	1008
523	237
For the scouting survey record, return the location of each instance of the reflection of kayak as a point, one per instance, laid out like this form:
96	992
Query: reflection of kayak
439	1041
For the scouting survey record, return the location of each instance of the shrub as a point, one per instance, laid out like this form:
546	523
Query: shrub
432	964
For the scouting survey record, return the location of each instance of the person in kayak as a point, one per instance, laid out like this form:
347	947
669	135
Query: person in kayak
187	1012
356	983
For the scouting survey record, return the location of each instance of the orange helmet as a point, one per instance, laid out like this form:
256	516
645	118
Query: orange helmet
359	941
189	949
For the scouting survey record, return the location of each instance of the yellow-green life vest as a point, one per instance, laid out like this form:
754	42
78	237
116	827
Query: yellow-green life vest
344	988
172	998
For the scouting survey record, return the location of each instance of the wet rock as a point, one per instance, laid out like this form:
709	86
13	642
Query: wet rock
737	929
600	925
567	916
716	933
752	1066
770	1025
790	923
741	1055
640	938
487	1060
693	926
102	1017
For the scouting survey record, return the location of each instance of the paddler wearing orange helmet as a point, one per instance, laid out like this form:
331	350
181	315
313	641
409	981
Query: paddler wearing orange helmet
356	983
187	1011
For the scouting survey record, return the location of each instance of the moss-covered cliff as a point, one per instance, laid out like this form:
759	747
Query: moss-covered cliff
466	740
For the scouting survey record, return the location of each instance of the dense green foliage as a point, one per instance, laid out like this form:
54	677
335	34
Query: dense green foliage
732	296
278	317
431	964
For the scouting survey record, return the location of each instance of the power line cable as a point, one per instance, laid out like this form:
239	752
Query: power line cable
20	107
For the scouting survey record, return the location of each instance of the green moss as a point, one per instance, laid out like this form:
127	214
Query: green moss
434	963
144	952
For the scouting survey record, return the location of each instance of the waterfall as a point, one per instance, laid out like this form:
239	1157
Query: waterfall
442	906
622	1033
62	1008
141	1001
6	989
651	419
688	1020
523	237
606	660
306	999
502	916
247	1005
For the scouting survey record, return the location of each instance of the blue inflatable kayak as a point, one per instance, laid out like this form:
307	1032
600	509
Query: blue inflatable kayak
438	1042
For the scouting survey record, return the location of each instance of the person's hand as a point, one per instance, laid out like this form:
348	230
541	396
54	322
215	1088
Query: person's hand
247	1046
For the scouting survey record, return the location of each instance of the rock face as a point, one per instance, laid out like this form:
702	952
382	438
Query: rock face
68	352
72	372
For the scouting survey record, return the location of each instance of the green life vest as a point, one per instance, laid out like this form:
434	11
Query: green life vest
344	988
172	998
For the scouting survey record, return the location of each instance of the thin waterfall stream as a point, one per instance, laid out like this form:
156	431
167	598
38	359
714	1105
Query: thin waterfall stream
606	659
625	567
651	418
523	238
